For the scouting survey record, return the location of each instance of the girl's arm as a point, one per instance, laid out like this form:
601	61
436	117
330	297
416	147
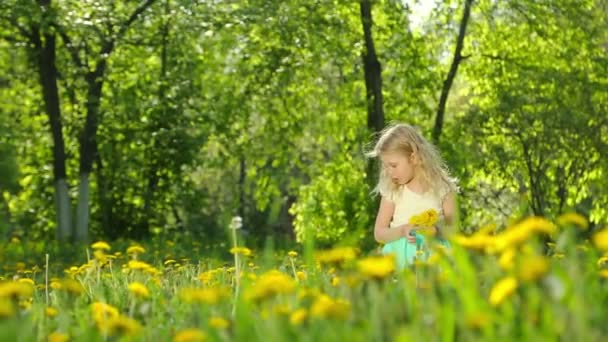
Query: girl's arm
450	212
382	232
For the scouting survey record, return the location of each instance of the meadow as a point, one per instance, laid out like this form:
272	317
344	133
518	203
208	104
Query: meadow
535	280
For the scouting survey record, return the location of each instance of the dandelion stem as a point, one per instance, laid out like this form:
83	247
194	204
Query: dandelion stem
46	280
293	268
237	272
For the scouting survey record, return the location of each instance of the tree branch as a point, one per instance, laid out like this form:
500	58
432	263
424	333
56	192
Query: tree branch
447	84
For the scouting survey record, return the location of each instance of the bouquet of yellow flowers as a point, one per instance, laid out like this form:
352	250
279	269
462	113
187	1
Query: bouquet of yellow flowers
427	220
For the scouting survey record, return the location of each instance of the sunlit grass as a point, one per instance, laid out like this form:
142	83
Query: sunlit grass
535	280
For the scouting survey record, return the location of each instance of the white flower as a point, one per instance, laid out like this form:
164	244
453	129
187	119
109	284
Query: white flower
236	223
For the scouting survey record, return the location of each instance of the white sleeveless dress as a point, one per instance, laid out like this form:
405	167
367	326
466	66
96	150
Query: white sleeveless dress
407	204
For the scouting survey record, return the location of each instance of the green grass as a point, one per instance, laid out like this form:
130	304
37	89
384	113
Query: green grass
443	299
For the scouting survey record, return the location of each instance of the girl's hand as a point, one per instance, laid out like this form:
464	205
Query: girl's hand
406	231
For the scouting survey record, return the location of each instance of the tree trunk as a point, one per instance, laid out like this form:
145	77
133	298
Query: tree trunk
88	149
88	139
447	83
373	72
373	84
46	53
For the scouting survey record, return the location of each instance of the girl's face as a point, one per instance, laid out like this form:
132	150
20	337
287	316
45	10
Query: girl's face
399	167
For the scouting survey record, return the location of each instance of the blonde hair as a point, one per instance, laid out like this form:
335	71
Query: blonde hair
406	139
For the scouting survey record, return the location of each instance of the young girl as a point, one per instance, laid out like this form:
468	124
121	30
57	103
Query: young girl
413	179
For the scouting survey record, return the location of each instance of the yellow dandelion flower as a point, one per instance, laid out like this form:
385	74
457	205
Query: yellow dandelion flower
335	281
135	250
537	225
190	335
6	308
119	325
298	317
27	281
507	259
292	254
478	241
138	265
206	276
13	289
51	311
58	337
502	290
378	267
25	304
72	286
241	250
102	311
101	245
573	219
603	273
336	255
600	239
533	268
169	262
326	307
139	289
427	218
270	284
219	323
301	275
207	295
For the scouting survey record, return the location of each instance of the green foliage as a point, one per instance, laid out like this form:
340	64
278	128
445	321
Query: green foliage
334	207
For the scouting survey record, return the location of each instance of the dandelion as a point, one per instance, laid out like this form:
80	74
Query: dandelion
574	219
292	254
502	290
27	281
301	275
533	268
101	245
102	311
139	290
326	307
240	250
190	335
336	255
298	316
119	325
100	255
134	250
219	323
600	239
58	337
6	308
507	258
479	241
427	218
604	273
270	284
335	281
236	223
51	311
14	289
207	276
377	267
